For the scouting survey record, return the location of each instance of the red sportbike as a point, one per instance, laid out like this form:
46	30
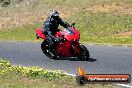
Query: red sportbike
68	47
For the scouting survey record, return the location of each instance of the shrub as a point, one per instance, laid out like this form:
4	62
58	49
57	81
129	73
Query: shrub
5	2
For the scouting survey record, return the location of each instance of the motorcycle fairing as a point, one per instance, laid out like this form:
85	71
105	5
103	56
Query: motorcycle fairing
70	35
39	33
64	48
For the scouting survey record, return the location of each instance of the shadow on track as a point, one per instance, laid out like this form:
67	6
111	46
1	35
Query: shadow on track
76	59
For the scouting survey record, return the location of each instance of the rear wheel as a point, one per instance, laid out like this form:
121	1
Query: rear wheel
46	50
84	53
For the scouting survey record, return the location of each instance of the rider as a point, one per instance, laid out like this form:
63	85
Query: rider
51	25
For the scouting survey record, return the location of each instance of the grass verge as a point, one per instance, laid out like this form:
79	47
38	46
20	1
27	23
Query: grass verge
99	27
21	33
35	77
103	27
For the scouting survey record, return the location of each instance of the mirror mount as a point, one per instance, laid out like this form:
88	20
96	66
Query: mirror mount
73	25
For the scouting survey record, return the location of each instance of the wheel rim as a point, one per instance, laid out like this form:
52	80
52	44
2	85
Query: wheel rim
83	55
45	49
48	53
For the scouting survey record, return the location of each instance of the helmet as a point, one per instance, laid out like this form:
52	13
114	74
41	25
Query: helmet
54	14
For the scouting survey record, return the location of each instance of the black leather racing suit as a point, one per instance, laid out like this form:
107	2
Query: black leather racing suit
50	27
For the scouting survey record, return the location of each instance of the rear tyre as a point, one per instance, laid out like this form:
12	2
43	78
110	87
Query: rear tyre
84	53
46	50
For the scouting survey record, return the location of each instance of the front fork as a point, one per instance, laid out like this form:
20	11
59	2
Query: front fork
74	48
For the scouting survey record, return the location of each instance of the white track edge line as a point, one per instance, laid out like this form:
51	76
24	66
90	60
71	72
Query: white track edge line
125	85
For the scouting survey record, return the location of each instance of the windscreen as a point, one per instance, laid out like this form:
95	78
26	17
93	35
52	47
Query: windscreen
69	31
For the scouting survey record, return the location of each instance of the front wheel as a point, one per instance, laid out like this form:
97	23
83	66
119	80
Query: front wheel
84	53
46	50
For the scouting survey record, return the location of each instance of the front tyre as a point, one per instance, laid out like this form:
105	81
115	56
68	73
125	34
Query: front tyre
46	50
84	53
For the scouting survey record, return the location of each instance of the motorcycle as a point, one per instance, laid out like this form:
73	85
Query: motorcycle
69	46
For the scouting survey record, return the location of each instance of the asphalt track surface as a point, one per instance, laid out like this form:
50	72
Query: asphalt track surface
106	59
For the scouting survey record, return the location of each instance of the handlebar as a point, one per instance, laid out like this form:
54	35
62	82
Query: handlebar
62	39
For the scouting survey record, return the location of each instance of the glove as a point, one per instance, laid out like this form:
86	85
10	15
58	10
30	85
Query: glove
56	39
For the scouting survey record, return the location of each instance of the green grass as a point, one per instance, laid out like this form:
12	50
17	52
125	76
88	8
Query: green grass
102	27
26	82
22	33
35	77
27	11
96	27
